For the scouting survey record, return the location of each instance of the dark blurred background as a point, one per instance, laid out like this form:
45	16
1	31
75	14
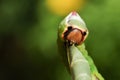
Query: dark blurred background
28	33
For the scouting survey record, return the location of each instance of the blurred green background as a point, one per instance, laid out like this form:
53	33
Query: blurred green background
28	33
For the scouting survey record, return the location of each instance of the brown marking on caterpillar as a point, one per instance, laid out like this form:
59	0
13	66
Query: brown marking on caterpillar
74	36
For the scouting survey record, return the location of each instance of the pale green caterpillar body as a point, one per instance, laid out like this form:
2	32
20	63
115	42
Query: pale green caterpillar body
72	32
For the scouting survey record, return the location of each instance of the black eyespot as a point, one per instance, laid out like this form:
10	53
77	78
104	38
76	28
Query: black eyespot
84	33
69	27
